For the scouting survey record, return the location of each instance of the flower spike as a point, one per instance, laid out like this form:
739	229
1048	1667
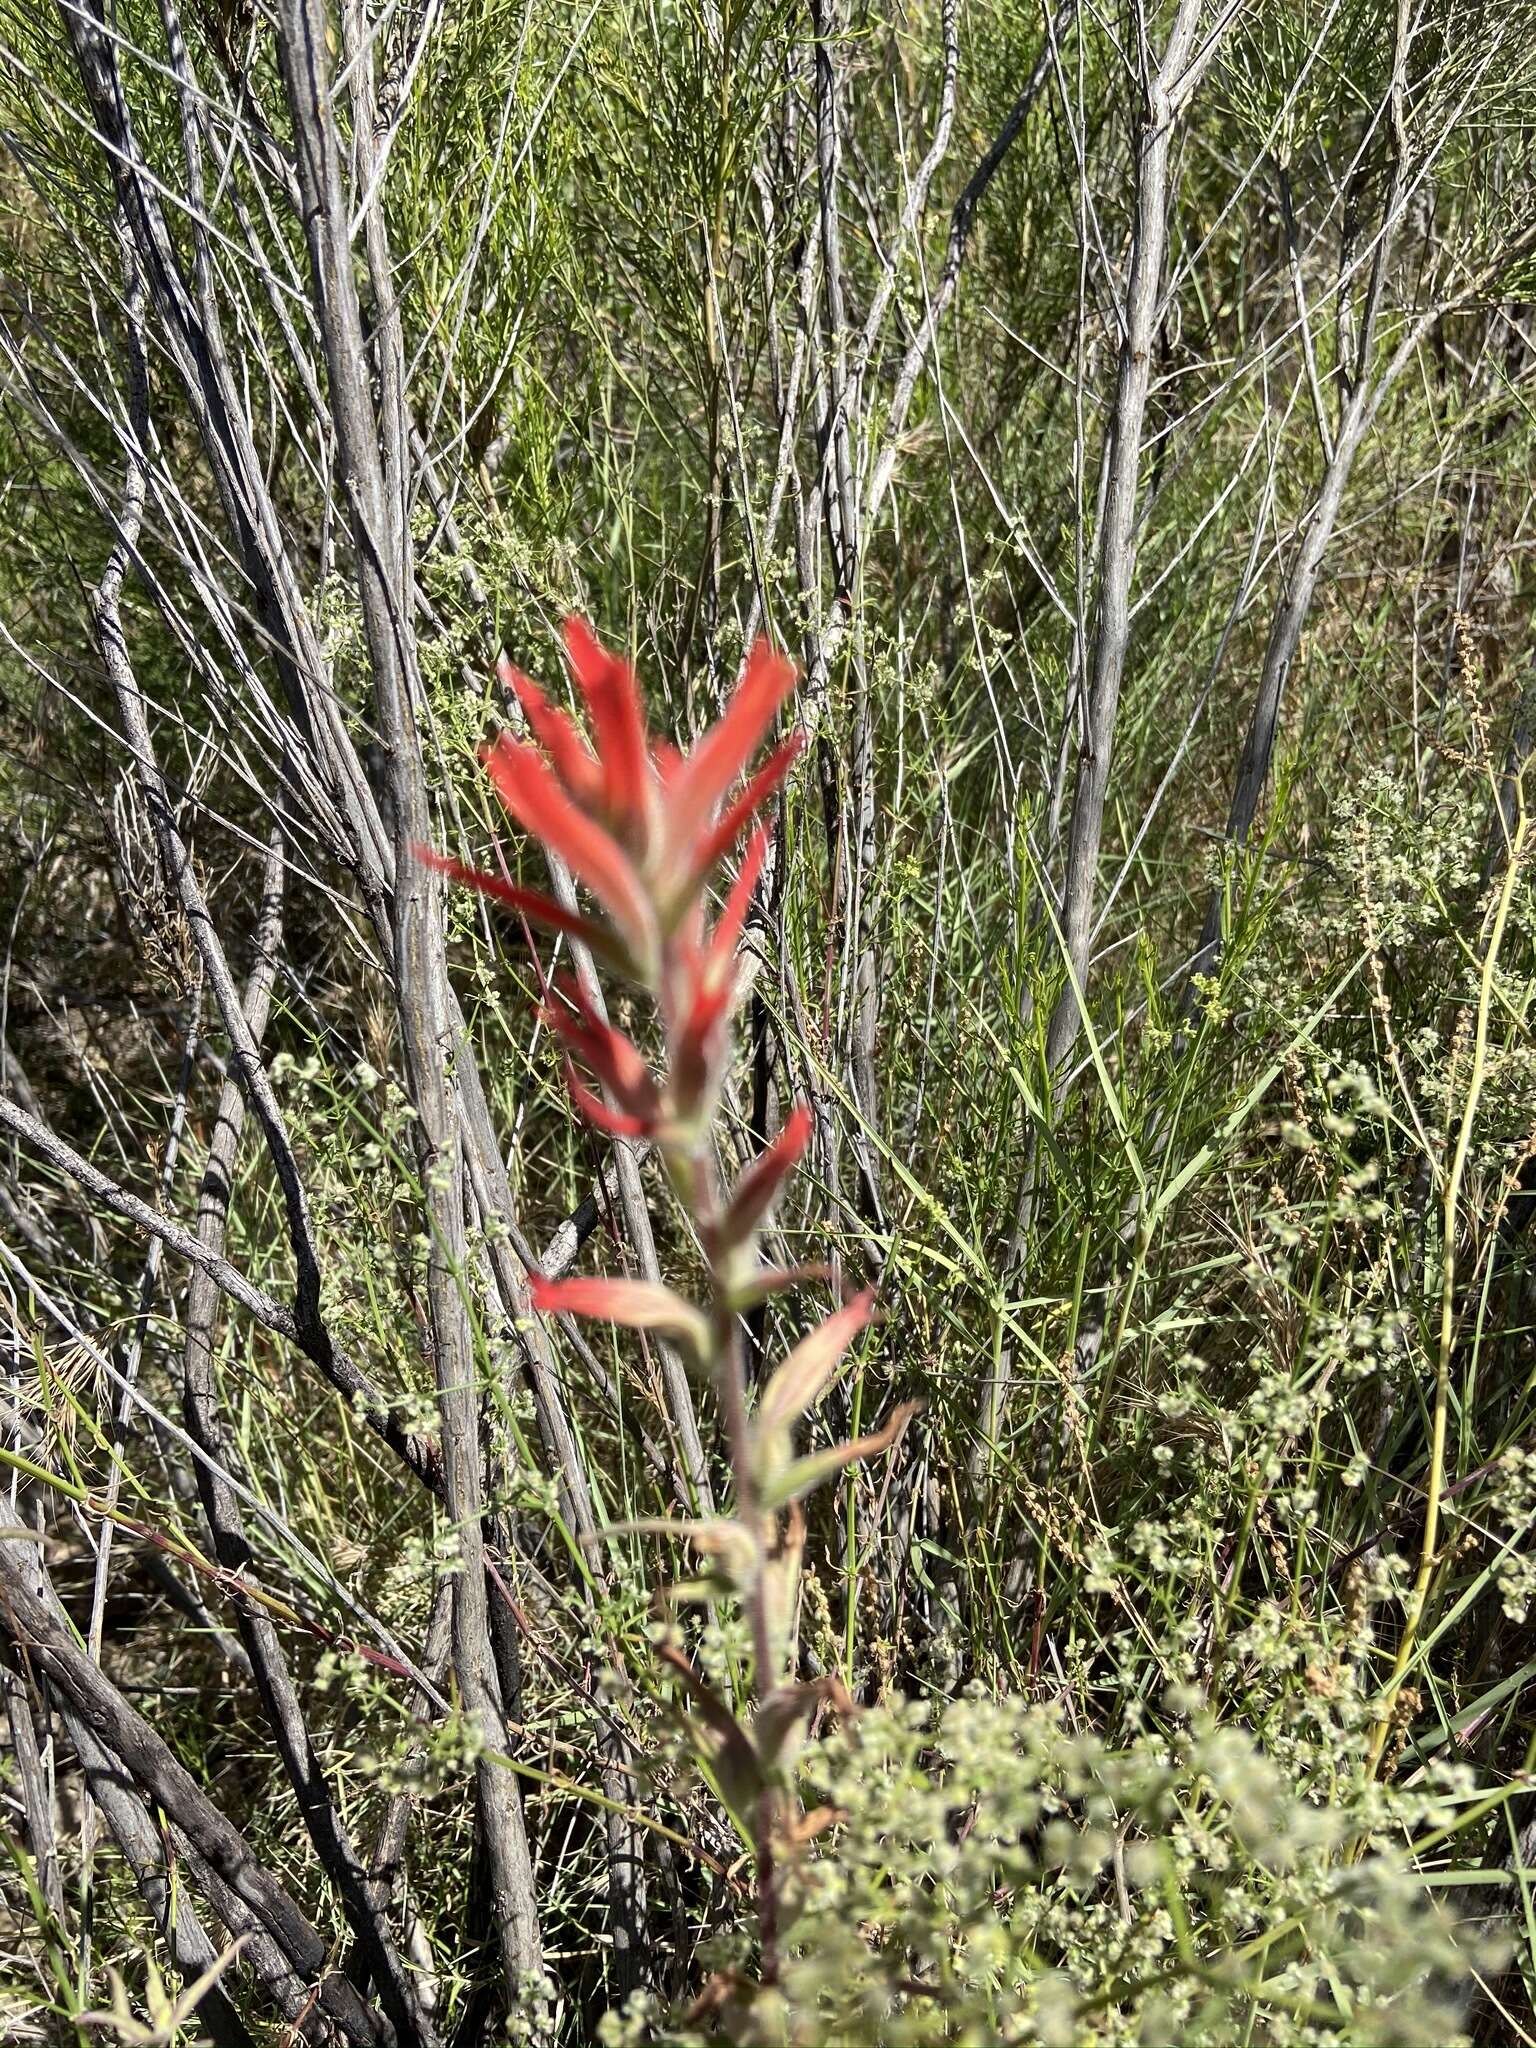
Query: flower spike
644	829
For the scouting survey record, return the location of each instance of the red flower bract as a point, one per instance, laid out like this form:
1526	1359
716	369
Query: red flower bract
634	1106
618	722
533	794
699	784
571	757
533	904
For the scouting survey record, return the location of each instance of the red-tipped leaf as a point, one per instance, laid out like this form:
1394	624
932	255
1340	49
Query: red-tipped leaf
618	1123
637	1304
810	1368
804	1475
764	1177
727	931
722	835
539	909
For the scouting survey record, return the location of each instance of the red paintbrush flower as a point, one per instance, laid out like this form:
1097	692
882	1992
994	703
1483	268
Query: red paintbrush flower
642	829
639	824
